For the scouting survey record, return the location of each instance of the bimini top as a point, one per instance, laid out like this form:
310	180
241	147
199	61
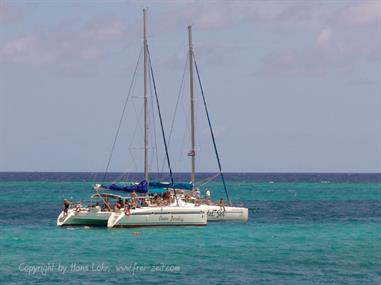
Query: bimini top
142	187
183	185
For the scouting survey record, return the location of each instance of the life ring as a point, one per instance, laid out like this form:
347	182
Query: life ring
78	208
127	211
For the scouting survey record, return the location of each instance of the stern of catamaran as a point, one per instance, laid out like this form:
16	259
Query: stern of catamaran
64	217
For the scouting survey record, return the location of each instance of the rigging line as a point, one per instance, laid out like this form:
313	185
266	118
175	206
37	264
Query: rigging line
211	131
126	175
138	114
186	136
182	148
135	165
118	177
176	107
162	127
122	116
207	180
154	130
137	125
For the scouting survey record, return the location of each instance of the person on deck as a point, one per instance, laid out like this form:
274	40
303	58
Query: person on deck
187	198
222	204
157	200
133	204
167	197
207	194
198	193
127	208
66	206
119	204
145	203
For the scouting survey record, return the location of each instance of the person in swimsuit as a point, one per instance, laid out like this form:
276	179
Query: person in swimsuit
119	204
127	208
167	197
222	204
207	196
65	209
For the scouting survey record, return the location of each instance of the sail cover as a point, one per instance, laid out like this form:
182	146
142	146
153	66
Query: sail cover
141	187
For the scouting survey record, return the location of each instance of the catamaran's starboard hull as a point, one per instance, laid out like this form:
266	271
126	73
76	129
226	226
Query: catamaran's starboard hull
83	218
216	213
159	216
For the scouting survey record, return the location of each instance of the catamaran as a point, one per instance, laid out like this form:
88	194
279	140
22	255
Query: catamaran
214	212
146	214
96	214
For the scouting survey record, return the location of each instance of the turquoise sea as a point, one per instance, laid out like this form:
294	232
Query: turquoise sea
299	232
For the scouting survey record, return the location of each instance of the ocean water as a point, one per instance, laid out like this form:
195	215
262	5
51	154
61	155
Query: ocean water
301	230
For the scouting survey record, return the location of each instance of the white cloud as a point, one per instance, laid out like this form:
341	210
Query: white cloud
347	35
49	47
90	53
108	31
263	10
9	13
324	38
209	16
362	13
309	62
213	17
26	50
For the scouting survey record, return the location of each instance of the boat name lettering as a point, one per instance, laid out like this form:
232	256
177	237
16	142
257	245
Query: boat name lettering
216	213
177	219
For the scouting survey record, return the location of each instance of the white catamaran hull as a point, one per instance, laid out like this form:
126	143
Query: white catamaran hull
85	217
159	216
215	213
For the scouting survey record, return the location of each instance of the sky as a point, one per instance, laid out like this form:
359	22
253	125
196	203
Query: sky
291	86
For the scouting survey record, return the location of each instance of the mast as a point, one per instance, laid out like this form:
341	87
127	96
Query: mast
146	129
193	150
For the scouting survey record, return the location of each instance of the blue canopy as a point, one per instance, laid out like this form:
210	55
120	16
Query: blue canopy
159	184
183	185
142	187
178	185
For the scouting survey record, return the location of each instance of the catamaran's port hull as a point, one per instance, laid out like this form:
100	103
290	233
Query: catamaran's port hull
84	222
159	225
139	218
151	221
166	216
83	218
